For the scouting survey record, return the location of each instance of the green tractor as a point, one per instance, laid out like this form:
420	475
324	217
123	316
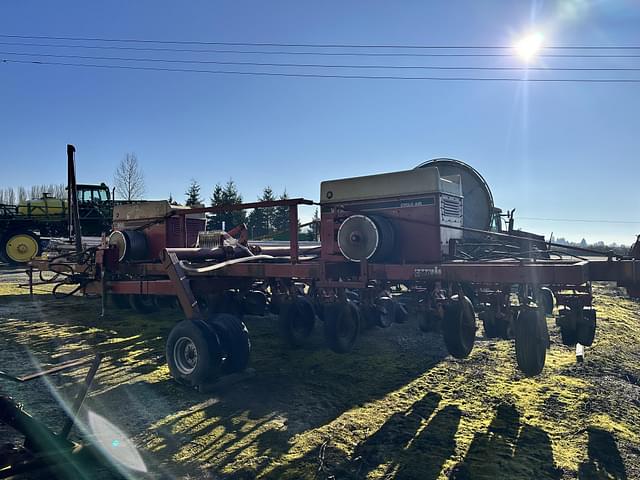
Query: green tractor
24	226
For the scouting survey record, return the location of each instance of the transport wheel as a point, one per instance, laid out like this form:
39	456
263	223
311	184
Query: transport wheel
586	328
459	326
532	340
546	300
143	303
401	313
193	353
566	320
429	321
491	327
254	303
297	320
341	326
384	312
234	340
120	301
19	247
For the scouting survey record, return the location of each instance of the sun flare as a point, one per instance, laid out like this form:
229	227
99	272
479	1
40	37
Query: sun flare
529	46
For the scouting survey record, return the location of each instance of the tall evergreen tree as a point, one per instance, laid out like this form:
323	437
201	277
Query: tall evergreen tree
260	220
193	194
281	220
227	195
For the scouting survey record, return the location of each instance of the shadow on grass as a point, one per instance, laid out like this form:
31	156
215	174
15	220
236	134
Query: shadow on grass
294	391
508	449
412	444
406	448
604	458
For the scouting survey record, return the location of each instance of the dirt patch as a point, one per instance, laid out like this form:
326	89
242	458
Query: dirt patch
396	407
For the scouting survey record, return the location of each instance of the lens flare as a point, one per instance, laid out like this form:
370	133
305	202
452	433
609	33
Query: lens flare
529	46
114	443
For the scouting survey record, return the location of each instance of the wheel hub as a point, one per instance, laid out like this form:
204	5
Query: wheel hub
21	248
186	355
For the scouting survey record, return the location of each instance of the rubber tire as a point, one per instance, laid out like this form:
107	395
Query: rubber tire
207	347
120	301
234	342
568	327
142	303
546	300
385	312
586	327
337	317
531	341
491	328
254	302
459	327
297	321
4	239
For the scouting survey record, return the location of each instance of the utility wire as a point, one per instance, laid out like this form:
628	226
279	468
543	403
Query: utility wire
317	75
332	54
312	45
322	65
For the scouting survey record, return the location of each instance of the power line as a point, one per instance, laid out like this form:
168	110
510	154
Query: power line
579	220
322	65
332	54
317	75
313	45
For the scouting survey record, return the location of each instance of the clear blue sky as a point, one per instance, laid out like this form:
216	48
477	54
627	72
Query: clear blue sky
548	150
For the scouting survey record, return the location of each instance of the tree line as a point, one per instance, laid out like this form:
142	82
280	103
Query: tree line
14	196
262	223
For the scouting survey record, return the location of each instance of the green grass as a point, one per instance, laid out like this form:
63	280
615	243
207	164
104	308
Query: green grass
396	407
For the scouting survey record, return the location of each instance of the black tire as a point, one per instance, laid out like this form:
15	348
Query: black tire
341	326
234	342
531	341
568	326
586	328
504	326
143	303
5	246
193	353
489	323
546	300
120	301
254	302
459	326
384	312
297	321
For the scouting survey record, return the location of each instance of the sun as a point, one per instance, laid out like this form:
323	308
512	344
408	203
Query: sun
529	46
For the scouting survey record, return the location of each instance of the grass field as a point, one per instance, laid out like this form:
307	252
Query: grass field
396	407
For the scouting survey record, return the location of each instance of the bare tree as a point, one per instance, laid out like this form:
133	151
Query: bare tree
129	179
60	191
22	194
